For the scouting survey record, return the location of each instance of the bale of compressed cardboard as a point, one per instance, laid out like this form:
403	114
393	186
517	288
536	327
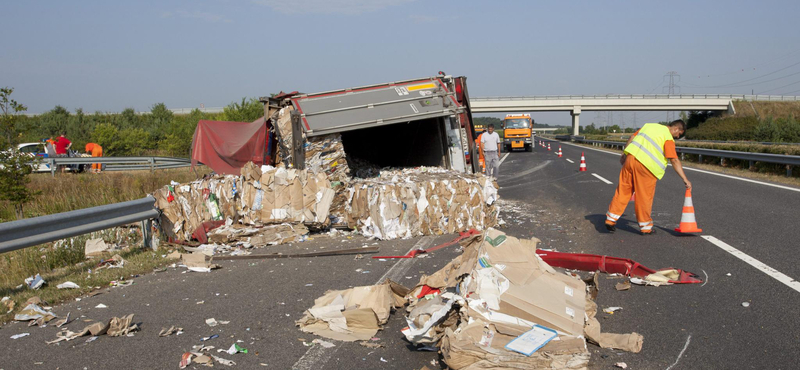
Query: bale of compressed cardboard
420	201
271	196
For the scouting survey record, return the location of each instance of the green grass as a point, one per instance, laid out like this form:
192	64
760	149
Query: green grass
64	260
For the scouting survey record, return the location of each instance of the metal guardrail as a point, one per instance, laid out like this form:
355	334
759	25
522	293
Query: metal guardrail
34	231
120	163
645	96
788	160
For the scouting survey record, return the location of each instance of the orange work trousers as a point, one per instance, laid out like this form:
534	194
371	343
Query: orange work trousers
634	177
97	152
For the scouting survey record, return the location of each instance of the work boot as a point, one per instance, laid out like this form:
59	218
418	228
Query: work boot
611	227
651	232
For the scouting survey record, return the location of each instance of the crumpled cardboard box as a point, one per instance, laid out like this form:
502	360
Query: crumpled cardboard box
352	314
504	288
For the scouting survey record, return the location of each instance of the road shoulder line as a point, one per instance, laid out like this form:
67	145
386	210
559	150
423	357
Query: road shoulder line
707	172
775	274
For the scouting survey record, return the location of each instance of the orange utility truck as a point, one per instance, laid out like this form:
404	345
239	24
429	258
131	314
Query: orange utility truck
517	132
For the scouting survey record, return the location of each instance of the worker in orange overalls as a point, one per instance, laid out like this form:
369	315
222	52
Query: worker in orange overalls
643	164
481	160
96	151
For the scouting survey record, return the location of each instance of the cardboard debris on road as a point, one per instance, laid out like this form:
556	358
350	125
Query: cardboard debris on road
258	236
421	201
352	314
198	262
34	313
117	326
498	305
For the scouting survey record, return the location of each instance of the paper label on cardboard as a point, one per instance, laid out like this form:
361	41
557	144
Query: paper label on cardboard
568	291
570	312
530	341
487	338
500	267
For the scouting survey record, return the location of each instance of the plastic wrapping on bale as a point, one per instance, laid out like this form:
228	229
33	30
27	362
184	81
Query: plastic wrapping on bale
421	201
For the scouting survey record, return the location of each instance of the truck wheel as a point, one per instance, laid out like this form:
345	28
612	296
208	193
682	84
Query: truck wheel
529	148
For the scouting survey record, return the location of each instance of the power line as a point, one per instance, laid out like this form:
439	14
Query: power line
778	88
747	80
753	67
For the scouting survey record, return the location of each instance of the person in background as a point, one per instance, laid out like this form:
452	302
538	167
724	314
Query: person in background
62	145
96	151
481	159
643	164
490	148
49	148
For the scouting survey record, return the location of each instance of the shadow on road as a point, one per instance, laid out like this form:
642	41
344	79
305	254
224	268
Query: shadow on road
599	222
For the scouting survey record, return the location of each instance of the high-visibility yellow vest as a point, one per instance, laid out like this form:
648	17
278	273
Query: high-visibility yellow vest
648	147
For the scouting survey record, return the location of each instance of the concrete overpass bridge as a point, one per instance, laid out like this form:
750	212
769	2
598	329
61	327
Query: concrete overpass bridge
575	104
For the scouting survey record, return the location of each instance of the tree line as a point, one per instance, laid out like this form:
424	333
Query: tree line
161	132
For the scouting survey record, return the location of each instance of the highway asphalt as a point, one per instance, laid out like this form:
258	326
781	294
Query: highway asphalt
692	326
684	326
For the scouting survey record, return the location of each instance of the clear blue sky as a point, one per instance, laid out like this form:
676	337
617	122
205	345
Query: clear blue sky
109	55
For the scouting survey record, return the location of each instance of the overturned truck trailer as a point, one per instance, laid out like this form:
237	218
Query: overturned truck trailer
419	122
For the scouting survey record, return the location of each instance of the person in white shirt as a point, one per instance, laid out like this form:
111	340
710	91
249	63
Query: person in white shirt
490	147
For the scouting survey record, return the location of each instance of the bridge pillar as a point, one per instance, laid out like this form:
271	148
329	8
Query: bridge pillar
576	114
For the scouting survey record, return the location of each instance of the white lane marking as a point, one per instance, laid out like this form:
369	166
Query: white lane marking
602	179
707	172
743	179
570	161
503	159
316	356
775	274
685	346
706	280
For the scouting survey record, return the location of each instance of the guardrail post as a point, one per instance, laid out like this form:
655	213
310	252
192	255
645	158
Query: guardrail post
752	164
52	166
147	228
788	170
700	158
152	164
682	156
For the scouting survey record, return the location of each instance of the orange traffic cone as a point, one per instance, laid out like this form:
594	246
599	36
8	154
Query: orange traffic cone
548	146
583	163
688	223
559	151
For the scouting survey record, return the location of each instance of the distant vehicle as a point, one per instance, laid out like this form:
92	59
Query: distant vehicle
518	132
42	164
36	150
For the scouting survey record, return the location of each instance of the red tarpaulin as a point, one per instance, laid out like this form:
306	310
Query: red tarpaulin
227	146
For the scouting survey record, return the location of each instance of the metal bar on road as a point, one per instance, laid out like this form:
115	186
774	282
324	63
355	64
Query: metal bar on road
34	231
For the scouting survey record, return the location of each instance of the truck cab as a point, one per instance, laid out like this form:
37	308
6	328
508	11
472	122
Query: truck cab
517	132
